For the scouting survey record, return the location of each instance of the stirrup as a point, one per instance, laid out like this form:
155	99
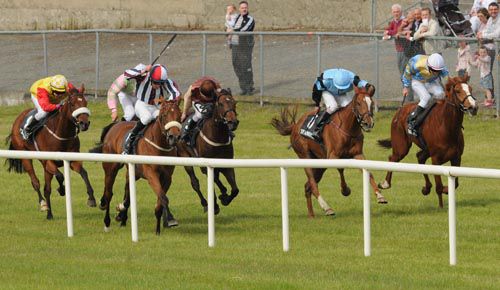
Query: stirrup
412	132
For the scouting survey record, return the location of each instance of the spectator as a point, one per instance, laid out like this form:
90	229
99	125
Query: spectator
474	17
482	15
230	20
482	61
414	47
417	13
464	58
428	27
242	47
490	32
392	31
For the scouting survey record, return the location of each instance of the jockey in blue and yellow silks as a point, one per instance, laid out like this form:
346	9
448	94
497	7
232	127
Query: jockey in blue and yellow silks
424	74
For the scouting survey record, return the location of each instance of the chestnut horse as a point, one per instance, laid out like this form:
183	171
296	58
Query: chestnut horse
342	138
59	133
441	136
160	139
215	140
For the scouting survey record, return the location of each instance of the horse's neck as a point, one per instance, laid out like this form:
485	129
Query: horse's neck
153	132
452	113
347	120
215	128
61	126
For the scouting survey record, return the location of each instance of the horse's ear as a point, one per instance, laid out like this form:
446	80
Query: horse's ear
82	89
449	85
229	90
466	77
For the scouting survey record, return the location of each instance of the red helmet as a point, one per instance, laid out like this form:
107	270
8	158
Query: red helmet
159	73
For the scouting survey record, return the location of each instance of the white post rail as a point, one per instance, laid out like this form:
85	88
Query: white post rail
67	191
284	209
366	165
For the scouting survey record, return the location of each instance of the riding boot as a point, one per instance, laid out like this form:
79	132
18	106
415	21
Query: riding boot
187	129
317	126
413	121
27	130
131	138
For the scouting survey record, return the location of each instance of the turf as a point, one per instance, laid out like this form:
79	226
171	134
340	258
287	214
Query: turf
409	235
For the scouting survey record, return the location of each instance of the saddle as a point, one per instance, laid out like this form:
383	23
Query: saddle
308	124
38	125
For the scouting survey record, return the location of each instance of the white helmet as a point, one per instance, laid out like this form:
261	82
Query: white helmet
435	62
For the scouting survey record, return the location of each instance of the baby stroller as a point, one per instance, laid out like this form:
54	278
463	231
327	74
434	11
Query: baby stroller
451	20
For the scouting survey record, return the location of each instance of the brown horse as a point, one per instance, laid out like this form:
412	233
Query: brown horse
160	139
60	133
441	136
342	138
215	140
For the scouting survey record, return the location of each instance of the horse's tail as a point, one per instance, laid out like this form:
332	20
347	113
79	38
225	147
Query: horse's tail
285	123
100	144
15	165
385	143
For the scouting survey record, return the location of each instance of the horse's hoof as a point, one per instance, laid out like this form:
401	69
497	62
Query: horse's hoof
106	229
120	207
118	218
62	191
102	207
91	202
384	185
50	217
346	191
426	190
445	189
172	223
381	200
205	209
329	212
224	199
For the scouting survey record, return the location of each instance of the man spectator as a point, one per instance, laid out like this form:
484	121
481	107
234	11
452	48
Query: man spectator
478	4
428	27
491	32
242	48
392	32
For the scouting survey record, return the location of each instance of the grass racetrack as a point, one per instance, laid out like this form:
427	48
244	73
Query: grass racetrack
409	234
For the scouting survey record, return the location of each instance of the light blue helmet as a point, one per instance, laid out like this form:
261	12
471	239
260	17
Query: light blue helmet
342	79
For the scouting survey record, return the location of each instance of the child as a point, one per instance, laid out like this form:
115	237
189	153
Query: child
482	61
231	16
464	57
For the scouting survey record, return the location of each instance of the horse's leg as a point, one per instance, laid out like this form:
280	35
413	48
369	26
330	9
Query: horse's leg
50	169
60	180
77	166
110	171
195	184
218	182
122	207
311	187
400	147
231	179
35	182
455	162
439	184
318	174
168	218
422	157
380	198
161	199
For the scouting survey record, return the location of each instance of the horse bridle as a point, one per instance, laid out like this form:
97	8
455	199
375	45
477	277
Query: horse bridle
76	113
224	114
360	117
461	102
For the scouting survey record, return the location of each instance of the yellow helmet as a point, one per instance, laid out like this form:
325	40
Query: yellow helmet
58	83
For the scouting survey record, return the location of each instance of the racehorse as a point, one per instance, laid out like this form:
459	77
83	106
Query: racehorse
440	137
215	140
159	139
59	133
342	138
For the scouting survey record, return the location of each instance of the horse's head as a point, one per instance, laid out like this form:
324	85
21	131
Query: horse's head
363	107
75	109
225	109
169	120
459	92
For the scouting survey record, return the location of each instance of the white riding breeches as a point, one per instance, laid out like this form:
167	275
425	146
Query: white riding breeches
128	102
40	113
426	91
146	113
333	103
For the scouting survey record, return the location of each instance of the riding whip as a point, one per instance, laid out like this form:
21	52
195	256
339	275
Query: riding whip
165	48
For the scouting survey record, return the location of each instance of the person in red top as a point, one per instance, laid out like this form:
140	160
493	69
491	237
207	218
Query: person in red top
47	95
202	94
392	32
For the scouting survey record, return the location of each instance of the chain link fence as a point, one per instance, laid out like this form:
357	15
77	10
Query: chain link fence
285	64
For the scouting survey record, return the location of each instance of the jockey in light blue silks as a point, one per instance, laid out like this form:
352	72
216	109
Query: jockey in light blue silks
334	87
423	73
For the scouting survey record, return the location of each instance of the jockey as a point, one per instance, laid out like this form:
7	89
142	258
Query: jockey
333	87
46	94
123	89
201	94
155	85
423	73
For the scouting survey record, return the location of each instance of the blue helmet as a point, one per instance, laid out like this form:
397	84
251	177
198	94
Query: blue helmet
342	79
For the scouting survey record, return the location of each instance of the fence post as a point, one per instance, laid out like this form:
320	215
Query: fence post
374	16
211	218
133	201
366	212
204	56
452	220
150	47
318	70
261	69
284	209
96	63
67	191
497	85
377	78
45	58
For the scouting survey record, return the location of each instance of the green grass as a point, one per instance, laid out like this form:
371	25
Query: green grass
409	235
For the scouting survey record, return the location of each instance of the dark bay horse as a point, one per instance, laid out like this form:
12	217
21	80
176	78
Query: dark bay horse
441	136
160	139
60	133
215	141
342	138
